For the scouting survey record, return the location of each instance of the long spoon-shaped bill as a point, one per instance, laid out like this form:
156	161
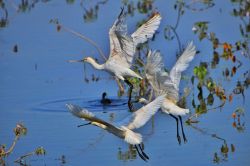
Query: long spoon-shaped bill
73	61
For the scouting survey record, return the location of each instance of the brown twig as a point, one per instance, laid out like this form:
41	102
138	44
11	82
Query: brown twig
84	38
19	159
12	146
196	115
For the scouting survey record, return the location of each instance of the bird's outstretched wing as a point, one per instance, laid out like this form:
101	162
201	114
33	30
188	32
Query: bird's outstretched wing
142	116
89	116
86	115
154	63
119	42
155	72
158	78
80	112
146	30
122	45
182	64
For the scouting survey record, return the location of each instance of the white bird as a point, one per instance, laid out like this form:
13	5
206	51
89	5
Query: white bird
124	128
163	82
123	47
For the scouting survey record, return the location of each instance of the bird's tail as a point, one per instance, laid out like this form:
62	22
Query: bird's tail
132	137
137	76
130	72
171	108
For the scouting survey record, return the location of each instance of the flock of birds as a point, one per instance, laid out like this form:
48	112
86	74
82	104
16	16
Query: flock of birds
165	85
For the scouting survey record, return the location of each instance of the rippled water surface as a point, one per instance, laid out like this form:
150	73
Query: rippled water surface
36	81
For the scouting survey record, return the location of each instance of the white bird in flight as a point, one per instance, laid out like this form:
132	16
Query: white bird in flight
163	82
123	47
124	128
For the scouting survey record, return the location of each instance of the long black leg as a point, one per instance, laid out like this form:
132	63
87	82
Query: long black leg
178	136
144	154
84	124
182	130
141	156
130	104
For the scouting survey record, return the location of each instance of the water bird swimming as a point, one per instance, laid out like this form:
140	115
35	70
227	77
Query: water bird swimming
123	47
123	129
167	83
105	101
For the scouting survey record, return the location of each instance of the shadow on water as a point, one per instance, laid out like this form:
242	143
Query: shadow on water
93	104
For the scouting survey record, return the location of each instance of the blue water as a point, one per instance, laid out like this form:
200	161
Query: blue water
37	81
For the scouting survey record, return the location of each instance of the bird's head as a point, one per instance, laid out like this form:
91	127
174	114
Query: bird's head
104	94
87	59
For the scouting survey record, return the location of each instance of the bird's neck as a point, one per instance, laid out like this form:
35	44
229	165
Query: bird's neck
96	65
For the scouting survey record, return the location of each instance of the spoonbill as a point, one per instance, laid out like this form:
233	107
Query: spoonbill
163	82
123	47
123	129
105	101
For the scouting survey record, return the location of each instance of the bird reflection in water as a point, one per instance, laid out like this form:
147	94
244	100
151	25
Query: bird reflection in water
130	154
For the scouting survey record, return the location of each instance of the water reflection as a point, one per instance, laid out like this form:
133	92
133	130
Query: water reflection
91	12
130	154
62	160
143	6
4	16
222	154
238	123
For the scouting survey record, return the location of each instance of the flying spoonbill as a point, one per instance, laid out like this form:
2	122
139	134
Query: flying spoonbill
123	129
123	47
166	83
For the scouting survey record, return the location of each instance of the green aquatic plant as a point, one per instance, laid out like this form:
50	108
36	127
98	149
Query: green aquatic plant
200	72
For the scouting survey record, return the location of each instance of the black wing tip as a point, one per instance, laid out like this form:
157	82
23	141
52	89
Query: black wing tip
121	13
155	14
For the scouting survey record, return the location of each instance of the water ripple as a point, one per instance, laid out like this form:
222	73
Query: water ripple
93	104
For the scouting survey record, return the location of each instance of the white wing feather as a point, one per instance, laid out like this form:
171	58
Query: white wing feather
119	41
154	63
147	30
142	116
79	112
182	64
132	137
123	46
156	74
